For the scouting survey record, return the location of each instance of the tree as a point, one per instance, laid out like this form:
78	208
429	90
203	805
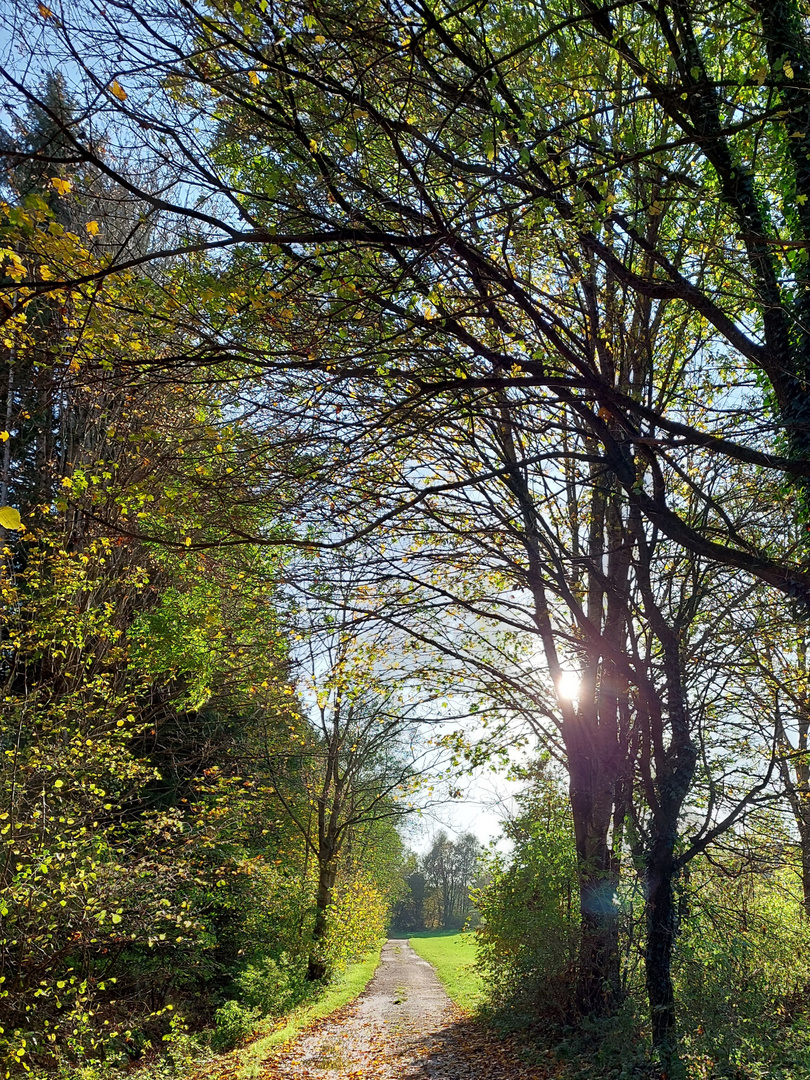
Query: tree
409	911
129	678
356	766
779	688
426	191
450	868
494	179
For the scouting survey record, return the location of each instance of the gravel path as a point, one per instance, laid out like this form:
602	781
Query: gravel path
403	1027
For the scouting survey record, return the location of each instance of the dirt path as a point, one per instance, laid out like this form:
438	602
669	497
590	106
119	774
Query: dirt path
403	1027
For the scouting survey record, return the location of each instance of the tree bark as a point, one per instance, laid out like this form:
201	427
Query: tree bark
661	930
662	872
317	968
598	983
805	843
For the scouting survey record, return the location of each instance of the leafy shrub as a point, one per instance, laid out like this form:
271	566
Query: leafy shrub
273	986
234	1023
742	972
276	912
357	918
528	940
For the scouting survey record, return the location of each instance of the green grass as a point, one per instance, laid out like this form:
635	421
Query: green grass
452	954
350	985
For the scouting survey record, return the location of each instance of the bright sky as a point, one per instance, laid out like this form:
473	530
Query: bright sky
488	798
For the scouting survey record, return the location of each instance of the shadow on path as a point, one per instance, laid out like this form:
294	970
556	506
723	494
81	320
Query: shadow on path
464	1050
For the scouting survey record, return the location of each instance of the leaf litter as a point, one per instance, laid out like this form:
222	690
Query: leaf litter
403	1027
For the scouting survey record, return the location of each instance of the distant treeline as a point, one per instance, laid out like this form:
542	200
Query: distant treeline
441	885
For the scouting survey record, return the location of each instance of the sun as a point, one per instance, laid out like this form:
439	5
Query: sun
568	685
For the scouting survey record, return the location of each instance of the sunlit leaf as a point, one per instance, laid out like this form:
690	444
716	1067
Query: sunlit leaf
10	518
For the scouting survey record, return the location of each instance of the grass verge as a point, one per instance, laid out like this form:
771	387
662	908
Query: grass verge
353	981
452	955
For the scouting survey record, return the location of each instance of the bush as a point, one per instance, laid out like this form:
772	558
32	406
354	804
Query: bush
273	986
742	972
234	1023
357	920
528	940
276	912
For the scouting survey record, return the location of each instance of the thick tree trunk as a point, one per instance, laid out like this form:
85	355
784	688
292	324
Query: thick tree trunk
598	976
598	984
661	930
591	729
317	967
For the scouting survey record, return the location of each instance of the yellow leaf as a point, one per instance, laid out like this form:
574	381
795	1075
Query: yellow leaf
188	541
92	227
254	78
117	90
62	186
4	436
320	39
45	272
67	482
10	518
45	12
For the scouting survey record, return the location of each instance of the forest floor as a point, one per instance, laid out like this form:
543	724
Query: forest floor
403	1027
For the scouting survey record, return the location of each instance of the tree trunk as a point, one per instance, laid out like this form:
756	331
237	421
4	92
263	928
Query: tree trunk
598	975
678	769
317	967
598	984
661	929
794	764
804	840
590	731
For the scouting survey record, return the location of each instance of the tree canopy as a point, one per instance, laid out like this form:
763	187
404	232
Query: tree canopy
503	307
